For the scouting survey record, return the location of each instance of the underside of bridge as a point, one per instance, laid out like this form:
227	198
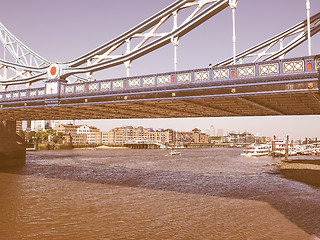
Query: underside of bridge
305	103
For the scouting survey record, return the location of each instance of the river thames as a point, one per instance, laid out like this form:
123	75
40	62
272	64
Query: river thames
209	193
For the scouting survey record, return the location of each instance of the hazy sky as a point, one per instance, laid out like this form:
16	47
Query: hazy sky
63	30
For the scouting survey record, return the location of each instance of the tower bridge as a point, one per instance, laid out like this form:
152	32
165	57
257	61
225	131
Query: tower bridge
267	83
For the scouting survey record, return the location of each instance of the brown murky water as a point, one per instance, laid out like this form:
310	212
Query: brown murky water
145	194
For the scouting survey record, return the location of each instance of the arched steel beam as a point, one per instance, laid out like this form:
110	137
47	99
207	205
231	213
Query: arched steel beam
10	41
189	24
258	52
140	28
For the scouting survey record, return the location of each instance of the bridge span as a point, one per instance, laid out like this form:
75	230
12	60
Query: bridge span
278	87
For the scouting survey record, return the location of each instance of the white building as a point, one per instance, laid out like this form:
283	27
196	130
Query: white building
212	131
38	125
108	137
83	129
220	132
93	134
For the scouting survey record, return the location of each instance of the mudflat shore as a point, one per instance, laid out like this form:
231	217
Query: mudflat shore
307	171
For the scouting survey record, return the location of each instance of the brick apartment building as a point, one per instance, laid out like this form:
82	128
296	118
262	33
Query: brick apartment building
83	134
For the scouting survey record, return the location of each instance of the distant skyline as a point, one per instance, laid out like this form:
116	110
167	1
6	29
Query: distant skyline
63	30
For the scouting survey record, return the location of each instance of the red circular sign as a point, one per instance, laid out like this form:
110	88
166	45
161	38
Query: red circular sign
53	70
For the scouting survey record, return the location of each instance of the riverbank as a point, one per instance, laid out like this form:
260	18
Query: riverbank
45	147
101	148
307	171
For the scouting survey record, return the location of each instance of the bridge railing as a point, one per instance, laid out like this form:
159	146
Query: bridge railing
206	75
31	93
209	75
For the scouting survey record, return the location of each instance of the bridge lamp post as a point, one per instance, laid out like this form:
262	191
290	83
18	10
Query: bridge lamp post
308	23
233	5
128	63
175	40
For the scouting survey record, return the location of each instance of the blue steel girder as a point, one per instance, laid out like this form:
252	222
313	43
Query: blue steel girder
243	73
237	90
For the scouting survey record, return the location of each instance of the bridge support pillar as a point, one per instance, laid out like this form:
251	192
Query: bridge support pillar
12	147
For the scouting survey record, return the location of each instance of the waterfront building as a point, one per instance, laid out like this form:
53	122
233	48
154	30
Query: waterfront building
85	134
220	132
108	137
28	127
239	138
70	133
212	131
18	126
66	129
122	135
159	136
93	134
75	138
38	125
193	137
79	134
119	136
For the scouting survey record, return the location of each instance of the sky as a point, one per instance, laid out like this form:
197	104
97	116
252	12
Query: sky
63	30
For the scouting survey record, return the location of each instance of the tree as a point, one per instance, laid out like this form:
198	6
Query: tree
58	138
38	136
44	137
51	132
30	136
22	134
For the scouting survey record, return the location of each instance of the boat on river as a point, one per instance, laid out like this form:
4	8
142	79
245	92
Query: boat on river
174	152
256	150
282	153
279	148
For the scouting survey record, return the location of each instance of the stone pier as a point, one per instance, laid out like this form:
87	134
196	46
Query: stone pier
12	147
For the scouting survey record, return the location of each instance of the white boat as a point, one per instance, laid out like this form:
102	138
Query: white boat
315	151
309	149
174	152
279	148
282	153
256	150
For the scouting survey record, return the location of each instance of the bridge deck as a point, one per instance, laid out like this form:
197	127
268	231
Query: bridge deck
283	87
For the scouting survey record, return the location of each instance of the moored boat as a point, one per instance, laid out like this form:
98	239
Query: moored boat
279	148
256	150
282	153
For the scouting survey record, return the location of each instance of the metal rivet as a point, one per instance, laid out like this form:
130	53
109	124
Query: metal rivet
125	97
233	90
86	100
25	104
173	94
